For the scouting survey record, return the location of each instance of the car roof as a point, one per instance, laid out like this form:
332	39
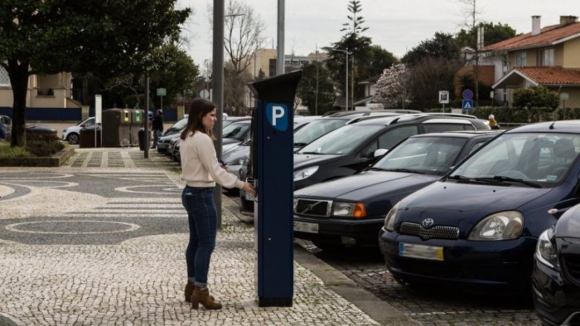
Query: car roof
419	117
245	121
460	134
567	126
237	118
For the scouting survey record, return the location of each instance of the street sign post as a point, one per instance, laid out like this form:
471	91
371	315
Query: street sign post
443	98
467	105
467	94
564	97
161	92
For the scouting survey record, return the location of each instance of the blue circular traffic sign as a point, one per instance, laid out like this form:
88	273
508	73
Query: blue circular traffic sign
467	94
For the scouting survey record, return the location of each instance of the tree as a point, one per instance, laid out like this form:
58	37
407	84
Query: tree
393	89
535	97
315	88
494	33
428	77
380	60
175	72
359	49
243	33
48	37
235	89
442	45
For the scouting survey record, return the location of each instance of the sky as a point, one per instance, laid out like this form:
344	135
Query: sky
397	25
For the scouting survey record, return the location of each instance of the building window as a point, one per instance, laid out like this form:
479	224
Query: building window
4	79
548	58
521	59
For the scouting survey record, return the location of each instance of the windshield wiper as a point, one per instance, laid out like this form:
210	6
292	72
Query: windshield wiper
501	178
403	170
300	144
459	177
314	153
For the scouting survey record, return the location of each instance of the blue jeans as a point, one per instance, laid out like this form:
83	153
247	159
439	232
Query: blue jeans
156	135
200	206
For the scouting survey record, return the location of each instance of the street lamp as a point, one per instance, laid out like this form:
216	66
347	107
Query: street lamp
346	93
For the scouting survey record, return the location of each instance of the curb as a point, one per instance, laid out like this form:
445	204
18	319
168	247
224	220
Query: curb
380	311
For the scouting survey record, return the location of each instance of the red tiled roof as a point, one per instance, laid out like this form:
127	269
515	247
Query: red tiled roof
547	36
551	75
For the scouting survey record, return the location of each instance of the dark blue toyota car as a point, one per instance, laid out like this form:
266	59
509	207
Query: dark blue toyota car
478	226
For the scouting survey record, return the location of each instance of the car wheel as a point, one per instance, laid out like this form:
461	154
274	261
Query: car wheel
73	139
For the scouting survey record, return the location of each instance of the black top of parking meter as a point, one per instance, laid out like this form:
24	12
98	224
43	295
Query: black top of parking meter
276	89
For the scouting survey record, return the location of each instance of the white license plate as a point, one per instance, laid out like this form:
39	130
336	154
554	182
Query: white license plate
306	227
420	251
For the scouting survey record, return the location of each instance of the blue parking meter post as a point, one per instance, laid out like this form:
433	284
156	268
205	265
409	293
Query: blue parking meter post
272	167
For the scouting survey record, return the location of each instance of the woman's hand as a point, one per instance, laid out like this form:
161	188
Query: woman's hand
249	188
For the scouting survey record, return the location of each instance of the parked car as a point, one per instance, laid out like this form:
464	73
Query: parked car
556	275
301	121
350	211
7	122
321	126
235	157
229	120
349	149
169	134
477	228
235	133
72	134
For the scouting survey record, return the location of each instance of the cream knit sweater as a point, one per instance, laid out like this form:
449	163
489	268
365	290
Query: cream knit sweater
199	164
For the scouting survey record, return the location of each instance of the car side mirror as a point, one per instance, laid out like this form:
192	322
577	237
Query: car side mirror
380	152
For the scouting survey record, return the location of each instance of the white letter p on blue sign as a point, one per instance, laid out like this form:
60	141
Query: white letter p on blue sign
277	115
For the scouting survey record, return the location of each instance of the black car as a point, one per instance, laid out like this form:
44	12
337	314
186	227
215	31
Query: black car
169	134
323	125
349	149
350	211
556	275
476	229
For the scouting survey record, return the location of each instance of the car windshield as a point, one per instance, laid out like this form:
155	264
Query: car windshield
534	158
315	129
87	123
342	140
432	155
237	130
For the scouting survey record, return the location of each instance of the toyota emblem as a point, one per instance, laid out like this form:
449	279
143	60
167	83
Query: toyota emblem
428	222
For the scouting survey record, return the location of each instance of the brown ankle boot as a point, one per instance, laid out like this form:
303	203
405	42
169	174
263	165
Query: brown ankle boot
188	291
203	297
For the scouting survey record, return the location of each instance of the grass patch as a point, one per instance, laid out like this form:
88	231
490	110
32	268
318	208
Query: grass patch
11	152
34	148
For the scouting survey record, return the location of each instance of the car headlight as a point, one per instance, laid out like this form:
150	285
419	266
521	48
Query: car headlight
305	173
546	252
390	218
356	210
499	226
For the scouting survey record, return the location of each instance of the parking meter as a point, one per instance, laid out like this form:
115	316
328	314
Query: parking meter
272	170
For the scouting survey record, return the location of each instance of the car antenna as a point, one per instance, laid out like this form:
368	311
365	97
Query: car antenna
552	125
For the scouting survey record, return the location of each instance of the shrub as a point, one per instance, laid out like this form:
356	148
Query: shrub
44	147
535	97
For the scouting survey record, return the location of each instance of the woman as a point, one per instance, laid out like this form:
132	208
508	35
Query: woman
492	122
201	170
